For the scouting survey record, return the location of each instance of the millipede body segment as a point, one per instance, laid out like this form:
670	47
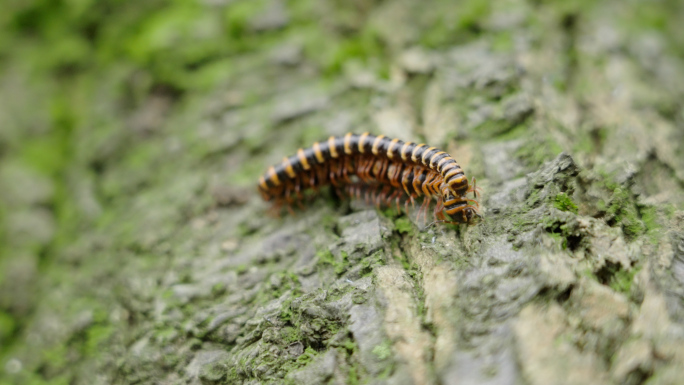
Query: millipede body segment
389	169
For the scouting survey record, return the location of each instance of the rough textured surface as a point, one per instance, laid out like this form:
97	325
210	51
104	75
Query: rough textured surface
134	248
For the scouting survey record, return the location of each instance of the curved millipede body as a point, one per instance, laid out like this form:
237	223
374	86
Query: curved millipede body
395	171
380	194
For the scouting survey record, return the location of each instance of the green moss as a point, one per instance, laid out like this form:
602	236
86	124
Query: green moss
403	226
96	336
306	357
301	10
471	12
563	229
178	38
559	238
621	280
494	127
294	278
290	335
363	47
661	17
241	269
212	373
369	263
516	132
7	327
390	212
350	346
353	375
649	216
614	276
238	15
326	257
564	203
591	142
166	335
450	25
503	42
421	310
340	265
44	156
209	75
584	144
383	351
247	174
38	379
622	210
286	314
343	265
534	199
232	376
56	357
337	292
244	229
405	263
331	51
536	151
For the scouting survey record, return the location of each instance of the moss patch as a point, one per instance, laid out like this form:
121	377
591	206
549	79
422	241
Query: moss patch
649	216
383	351
622	210
564	203
403	226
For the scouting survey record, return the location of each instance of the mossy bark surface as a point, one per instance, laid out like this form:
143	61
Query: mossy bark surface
135	249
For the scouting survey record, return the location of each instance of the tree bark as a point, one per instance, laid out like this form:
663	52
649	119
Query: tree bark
146	255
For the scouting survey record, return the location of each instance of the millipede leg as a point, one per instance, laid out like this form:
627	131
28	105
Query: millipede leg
474	189
298	191
361	173
424	208
383	167
473	201
387	195
369	169
394	175
332	177
346	169
438	213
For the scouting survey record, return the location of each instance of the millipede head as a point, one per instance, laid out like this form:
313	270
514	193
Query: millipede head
461	210
468	213
465	216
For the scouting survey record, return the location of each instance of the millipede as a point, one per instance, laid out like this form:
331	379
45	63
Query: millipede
382	170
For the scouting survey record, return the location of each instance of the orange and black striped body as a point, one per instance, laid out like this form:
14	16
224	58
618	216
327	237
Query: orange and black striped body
379	194
416	169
